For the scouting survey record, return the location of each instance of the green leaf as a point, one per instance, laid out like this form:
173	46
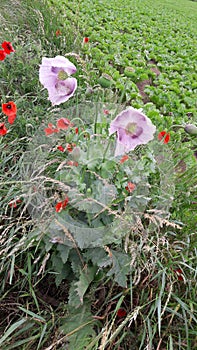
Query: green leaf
78	325
86	277
120	268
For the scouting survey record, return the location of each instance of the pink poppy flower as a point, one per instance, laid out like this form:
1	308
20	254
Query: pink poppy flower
133	128
54	75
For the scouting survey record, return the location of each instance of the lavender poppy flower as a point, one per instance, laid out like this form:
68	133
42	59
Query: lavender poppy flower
133	128
54	74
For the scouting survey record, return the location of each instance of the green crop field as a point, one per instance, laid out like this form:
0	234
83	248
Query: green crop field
98	175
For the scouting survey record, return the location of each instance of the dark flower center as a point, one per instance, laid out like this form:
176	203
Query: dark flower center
9	106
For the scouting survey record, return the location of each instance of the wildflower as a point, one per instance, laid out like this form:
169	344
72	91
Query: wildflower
64	124
10	110
2	55
14	204
179	273
70	147
3	130
124	158
191	129
61	148
85	40
121	312
72	163
7	46
76	130
61	205
54	75
58	32
130	187
51	129
164	136
133	128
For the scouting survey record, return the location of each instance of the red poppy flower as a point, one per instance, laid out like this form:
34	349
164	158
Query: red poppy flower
58	32
14	204
85	40
106	111
72	163
10	110
70	147
2	55
130	187
64	124
179	273
61	148
51	129
7	46
164	136
76	130
61	205
3	130
121	312
124	158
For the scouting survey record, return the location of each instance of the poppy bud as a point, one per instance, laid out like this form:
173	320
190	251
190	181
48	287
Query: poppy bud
191	129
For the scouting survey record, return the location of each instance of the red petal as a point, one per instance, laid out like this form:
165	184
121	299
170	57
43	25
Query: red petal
7	46
9	108
11	118
121	312
2	55
124	158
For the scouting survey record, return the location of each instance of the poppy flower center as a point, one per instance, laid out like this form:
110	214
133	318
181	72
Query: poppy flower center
62	75
133	130
9	106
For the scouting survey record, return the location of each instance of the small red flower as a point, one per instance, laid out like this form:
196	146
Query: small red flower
130	187
7	46
106	111
72	163
58	33
64	124
61	205
10	110
3	130
76	130
70	147
124	158
51	129
164	136
85	40
121	312
179	273
61	148
14	204
2	55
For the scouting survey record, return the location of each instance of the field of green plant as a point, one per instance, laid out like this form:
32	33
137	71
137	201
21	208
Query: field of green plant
98	175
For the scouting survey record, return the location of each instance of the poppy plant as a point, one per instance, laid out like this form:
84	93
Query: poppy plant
54	75
64	124
85	40
2	55
121	312
51	129
7	46
130	187
164	136
60	148
10	110
61	205
133	128
124	158
3	130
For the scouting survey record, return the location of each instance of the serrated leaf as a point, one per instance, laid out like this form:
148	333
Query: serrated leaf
64	252
86	277
78	325
120	268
